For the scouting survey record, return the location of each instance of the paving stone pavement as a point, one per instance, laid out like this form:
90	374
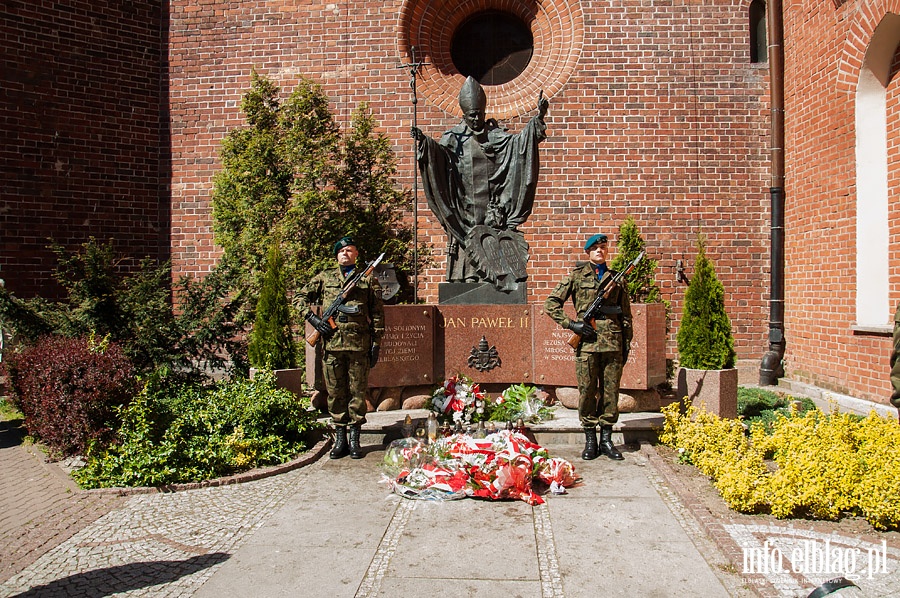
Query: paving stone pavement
332	529
39	506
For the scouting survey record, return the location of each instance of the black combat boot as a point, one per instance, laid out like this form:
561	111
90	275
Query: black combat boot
340	442
606	445
590	444
355	450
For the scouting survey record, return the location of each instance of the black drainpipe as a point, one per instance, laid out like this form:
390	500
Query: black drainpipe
771	368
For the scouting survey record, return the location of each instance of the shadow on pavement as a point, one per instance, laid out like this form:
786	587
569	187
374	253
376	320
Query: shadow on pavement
122	578
11	433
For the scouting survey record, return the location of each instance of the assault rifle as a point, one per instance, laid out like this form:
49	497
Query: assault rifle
590	314
325	325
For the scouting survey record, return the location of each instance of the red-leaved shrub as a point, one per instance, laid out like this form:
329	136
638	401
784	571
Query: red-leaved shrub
68	390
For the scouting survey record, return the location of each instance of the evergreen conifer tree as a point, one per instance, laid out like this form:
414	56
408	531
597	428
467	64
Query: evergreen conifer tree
291	174
367	196
276	181
642	287
704	337
271	342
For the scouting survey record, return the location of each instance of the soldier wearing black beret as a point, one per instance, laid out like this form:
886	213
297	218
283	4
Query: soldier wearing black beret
351	349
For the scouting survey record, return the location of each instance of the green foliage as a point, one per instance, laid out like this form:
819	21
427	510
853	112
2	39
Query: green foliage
704	337
518	401
290	175
813	465
271	342
642	286
135	309
370	205
8	411
276	180
757	406
176	434
719	448
817	467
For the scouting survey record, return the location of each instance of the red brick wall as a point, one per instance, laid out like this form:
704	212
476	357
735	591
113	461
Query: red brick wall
655	112
662	117
80	112
824	48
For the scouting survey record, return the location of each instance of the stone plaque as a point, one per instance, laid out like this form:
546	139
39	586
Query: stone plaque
554	358
407	347
487	343
646	367
407	350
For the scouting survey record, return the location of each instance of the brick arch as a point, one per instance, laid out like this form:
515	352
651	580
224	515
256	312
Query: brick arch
556	25
865	19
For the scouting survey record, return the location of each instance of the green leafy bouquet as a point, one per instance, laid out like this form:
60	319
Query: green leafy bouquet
519	401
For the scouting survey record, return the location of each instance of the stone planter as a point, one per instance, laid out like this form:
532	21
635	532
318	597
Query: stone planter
646	367
290	379
716	390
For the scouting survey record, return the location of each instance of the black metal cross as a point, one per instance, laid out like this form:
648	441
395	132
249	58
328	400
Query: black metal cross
413	67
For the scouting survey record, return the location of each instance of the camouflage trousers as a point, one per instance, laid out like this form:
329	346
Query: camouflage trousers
598	376
346	376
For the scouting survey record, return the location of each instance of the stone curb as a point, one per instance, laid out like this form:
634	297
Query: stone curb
307	458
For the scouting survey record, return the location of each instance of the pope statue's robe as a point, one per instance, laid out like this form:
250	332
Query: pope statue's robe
487	179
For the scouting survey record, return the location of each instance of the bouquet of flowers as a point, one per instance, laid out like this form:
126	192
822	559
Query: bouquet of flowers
458	400
504	465
519	401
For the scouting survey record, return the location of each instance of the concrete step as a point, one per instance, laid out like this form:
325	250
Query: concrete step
564	428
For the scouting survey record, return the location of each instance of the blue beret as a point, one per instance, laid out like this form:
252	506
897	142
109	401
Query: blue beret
593	240
344	242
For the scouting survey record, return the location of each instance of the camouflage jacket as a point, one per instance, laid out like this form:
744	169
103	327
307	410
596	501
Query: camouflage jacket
582	286
355	332
895	361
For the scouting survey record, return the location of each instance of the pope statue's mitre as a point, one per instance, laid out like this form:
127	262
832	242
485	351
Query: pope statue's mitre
472	96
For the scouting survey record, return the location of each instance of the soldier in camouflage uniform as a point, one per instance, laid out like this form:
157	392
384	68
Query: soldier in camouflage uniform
895	361
351	349
603	349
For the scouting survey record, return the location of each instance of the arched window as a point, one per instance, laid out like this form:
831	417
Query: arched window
759	51
872	214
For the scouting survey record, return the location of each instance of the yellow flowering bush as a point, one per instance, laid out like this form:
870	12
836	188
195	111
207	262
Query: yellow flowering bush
820	465
720	449
878	491
817	464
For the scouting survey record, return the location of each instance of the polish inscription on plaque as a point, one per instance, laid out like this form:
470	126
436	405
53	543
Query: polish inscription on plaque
507	327
407	355
554	358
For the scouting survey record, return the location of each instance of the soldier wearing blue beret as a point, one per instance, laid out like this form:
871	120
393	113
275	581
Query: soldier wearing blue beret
604	347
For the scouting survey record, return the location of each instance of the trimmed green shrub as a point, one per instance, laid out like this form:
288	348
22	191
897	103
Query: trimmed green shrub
757	406
815	465
69	390
191	433
271	342
704	337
